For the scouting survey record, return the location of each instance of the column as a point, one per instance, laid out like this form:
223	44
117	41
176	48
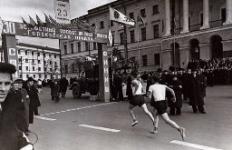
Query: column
167	18
205	14
185	16
228	12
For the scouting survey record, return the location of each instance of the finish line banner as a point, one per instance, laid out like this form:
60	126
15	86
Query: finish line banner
21	29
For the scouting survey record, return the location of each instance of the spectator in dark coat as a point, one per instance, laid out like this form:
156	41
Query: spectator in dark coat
175	107
55	88
196	96
34	99
63	86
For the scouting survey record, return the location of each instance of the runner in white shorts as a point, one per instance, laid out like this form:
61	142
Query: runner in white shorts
157	94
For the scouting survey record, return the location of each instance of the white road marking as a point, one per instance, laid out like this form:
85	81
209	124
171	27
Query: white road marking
196	146
45	118
99	128
75	109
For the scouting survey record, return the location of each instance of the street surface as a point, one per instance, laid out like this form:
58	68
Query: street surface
81	124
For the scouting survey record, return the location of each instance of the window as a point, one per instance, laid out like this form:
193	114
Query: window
143	34
44	55
73	68
26	68
111	23
39	61
39	75
26	53
157	59
39	68
86	46
113	36
51	69
102	25
144	58
201	19
54	56
156	31
50	62
131	15
66	68
65	49
33	76
223	15
143	12
132	36
20	67
72	48
26	60
122	38
94	45
20	60
19	52
32	53
38	54
33	68
155	9
79	46
49	55
33	61
45	69
99	45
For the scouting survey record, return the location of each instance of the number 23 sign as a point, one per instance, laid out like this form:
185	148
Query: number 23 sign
62	11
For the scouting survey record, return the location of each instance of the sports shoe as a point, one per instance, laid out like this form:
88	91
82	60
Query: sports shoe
182	133
135	122
154	131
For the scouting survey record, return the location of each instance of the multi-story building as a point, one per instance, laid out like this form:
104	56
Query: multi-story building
38	62
173	33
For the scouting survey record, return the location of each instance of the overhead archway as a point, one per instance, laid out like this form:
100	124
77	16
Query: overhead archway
216	46
194	49
175	54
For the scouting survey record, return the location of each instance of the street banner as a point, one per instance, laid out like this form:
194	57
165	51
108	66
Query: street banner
62	11
14	28
1	27
117	16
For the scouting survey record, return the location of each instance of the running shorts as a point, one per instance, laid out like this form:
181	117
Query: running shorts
137	100
160	106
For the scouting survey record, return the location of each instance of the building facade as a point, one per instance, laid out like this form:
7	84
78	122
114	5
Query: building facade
173	32
38	62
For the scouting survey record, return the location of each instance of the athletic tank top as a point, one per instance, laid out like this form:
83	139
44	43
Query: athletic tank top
138	89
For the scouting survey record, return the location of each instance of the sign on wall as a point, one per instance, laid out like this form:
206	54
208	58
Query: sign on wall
62	11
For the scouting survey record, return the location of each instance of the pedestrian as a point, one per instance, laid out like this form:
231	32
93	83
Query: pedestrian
21	100
39	85
197	84
157	94
138	99
63	86
34	99
11	138
175	107
55	91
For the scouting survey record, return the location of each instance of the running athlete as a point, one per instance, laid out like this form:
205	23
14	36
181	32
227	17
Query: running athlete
138	99
157	94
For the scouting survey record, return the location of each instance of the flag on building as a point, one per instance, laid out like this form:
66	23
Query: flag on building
117	16
39	22
141	20
110	37
32	22
47	20
24	21
53	21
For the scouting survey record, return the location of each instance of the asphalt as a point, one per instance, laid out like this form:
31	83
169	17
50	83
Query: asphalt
62	125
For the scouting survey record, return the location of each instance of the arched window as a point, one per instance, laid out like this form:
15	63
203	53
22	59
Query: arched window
216	46
194	49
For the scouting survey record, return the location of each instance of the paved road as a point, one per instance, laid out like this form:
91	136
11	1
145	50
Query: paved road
76	125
